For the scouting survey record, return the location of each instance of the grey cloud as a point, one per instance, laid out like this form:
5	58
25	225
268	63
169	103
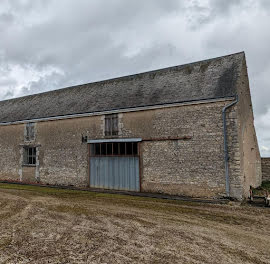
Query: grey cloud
201	14
67	42
225	7
94	69
6	19
49	82
54	42
8	94
8	82
265	5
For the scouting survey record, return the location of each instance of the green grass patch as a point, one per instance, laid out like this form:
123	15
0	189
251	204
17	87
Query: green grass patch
60	193
42	190
56	192
80	205
261	191
266	185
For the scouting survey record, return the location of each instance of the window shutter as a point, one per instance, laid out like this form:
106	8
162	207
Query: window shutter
115	125
111	125
30	131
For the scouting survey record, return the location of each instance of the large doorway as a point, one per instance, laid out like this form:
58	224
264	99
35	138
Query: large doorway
115	165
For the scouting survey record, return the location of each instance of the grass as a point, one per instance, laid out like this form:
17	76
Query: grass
266	185
261	191
80	194
158	205
57	192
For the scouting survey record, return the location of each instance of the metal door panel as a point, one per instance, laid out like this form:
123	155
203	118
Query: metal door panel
118	173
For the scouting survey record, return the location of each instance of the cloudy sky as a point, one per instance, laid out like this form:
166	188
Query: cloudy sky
50	44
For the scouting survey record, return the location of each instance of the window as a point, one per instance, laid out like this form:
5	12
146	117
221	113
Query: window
30	131
30	154
111	125
114	149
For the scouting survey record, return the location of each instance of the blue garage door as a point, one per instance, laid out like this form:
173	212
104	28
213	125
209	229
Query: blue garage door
115	165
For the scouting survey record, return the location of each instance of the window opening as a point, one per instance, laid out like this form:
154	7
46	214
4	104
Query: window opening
30	155
111	125
114	149
30	131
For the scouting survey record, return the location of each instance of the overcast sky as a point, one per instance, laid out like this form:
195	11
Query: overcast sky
50	44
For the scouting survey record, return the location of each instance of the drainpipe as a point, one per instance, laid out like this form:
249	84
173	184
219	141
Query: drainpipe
226	154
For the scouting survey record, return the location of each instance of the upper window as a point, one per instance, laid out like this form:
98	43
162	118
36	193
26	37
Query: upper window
114	149
111	125
30	154
30	131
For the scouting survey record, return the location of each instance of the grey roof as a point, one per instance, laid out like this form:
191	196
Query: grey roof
213	78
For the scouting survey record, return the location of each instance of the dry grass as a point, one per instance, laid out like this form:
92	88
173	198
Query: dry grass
44	225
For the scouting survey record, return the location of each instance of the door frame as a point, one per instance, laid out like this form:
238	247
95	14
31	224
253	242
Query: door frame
137	140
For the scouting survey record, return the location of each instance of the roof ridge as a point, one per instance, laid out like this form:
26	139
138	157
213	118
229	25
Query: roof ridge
122	77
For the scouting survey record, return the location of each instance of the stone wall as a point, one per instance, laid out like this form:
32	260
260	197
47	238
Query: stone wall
266	169
10	152
250	159
63	155
193	167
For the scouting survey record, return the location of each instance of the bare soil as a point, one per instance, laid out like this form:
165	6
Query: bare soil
44	225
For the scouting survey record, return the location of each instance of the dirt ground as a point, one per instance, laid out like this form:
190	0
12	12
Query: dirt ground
44	225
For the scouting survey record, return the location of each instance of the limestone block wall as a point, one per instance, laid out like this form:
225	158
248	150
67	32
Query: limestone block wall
249	149
10	152
193	167
63	156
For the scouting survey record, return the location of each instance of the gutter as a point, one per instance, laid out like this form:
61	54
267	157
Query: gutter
119	110
226	154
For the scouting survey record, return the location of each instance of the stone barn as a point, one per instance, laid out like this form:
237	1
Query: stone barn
183	130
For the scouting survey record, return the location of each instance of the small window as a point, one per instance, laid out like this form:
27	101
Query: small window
30	131
30	155
114	149
111	125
